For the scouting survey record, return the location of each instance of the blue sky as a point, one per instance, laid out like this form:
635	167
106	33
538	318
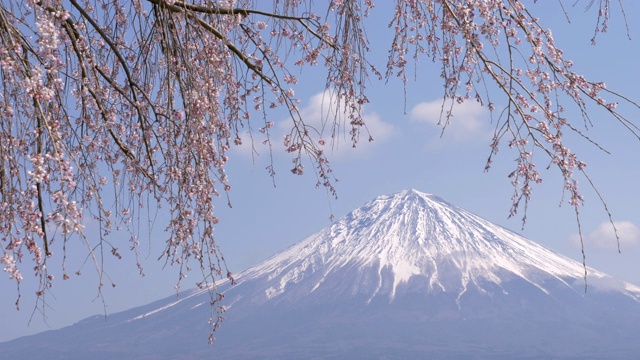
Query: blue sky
409	151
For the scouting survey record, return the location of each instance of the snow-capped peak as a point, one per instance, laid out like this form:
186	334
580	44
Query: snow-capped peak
414	234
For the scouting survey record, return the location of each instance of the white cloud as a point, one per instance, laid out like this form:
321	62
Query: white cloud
327	122
330	119
467	120
603	237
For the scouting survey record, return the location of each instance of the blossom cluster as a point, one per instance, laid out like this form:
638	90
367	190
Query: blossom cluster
498	49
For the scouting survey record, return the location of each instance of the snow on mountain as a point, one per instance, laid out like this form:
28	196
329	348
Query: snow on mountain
416	234
405	276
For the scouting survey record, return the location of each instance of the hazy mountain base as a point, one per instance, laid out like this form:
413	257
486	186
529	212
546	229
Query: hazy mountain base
417	326
413	326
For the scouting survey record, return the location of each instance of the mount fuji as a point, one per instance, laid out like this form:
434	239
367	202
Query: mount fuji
406	276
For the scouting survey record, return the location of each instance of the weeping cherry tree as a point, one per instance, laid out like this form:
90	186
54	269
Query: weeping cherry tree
113	107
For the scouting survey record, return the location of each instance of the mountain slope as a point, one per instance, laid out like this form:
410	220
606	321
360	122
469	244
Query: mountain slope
405	276
415	234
